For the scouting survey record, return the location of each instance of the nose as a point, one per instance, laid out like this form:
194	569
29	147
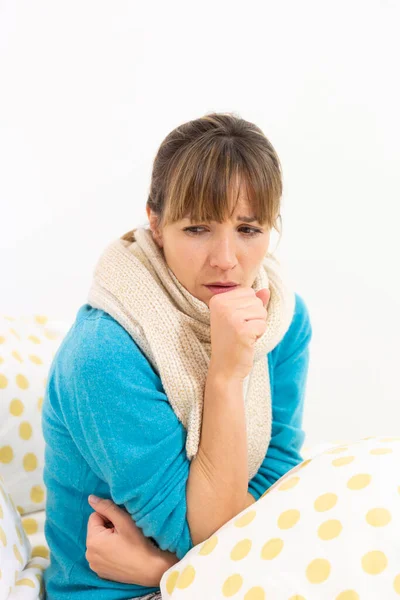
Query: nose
223	253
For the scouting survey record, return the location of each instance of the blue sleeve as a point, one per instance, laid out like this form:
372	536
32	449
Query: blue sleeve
128	432
289	361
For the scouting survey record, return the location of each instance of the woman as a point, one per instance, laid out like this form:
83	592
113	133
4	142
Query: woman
178	402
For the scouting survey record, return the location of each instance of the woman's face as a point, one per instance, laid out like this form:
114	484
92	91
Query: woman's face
209	252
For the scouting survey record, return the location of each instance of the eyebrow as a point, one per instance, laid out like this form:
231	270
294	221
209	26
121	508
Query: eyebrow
251	219
247	219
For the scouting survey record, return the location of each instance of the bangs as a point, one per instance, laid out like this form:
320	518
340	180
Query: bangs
207	178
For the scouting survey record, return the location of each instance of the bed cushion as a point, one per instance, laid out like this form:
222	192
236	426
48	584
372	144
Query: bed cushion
21	574
27	347
330	528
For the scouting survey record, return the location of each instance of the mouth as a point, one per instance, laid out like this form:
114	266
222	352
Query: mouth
218	289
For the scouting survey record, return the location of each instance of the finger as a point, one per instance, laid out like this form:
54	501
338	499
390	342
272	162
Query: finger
95	524
111	511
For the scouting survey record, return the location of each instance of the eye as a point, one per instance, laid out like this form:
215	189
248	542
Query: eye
252	231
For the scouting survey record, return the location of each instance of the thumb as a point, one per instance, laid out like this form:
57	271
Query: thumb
107	508
264	294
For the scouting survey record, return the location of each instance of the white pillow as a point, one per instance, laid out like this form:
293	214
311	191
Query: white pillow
328	530
20	576
27	348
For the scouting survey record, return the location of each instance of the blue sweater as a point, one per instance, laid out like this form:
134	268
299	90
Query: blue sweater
110	430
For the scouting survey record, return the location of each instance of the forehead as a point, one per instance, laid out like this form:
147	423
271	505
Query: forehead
243	211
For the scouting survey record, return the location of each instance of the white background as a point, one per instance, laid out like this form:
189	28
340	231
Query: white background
88	91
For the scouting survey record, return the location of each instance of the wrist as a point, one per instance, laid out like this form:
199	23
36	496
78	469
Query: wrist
161	563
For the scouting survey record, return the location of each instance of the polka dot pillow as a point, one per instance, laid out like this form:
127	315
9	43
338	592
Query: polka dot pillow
328	530
27	347
21	577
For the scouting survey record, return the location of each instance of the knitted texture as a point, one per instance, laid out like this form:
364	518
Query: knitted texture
133	283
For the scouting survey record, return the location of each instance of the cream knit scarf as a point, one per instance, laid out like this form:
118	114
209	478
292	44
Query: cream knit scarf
133	283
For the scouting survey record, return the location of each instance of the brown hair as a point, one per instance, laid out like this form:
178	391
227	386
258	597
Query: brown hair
197	162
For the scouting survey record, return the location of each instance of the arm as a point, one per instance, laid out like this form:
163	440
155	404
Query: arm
289	363
127	431
165	560
218	478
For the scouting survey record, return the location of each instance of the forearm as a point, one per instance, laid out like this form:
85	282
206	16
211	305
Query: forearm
218	478
165	560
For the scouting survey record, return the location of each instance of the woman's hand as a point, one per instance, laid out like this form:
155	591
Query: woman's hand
118	550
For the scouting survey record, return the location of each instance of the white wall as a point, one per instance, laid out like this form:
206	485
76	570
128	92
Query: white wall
89	90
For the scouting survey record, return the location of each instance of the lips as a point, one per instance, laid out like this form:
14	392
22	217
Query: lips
218	289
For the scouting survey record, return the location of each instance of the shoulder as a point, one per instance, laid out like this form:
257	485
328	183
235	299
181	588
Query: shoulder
97	342
298	334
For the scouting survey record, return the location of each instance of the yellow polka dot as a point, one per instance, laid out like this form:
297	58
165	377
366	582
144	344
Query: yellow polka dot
36	359
19	534
348	595
51	335
15	333
171	581
396	584
329	529
40	402
378	517
288	519
17	555
232	585
374	562
245	519
289	484
272	548
17	356
30	525
336	450
26	582
186	578
325	502
34	339
41	319
20	510
40	551
2	339
1	360
37	566
303	464
37	494
344	460
3	537
6	454
3	382
25	430
16	407
358	482
241	549
255	593
318	570
30	461
381	451
390	439
22	381
208	546
297	597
